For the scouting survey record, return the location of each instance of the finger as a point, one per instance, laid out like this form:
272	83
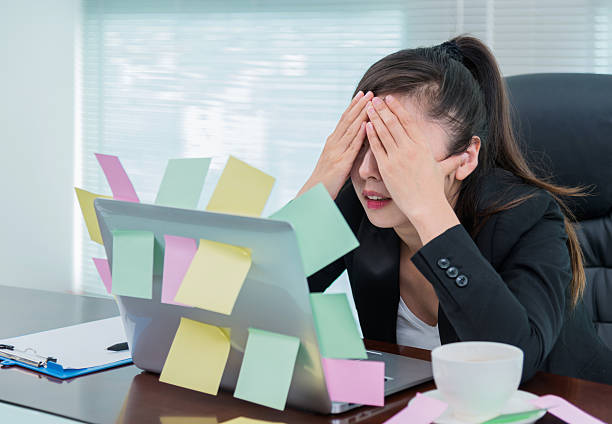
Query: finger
450	164
357	141
353	129
377	147
406	120
381	129
391	120
352	113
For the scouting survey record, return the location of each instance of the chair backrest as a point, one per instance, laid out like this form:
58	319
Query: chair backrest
564	123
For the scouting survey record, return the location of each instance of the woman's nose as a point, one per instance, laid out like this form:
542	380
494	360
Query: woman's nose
369	167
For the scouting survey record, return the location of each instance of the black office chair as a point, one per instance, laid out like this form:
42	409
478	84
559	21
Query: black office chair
564	123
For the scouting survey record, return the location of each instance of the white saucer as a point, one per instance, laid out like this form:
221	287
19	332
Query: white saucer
519	402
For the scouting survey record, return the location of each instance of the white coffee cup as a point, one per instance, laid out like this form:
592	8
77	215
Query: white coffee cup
476	379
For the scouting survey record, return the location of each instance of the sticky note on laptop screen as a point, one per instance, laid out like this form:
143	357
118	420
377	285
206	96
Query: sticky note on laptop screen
117	178
336	328
241	189
86	202
132	264
182	183
215	276
322	233
355	381
178	254
267	368
197	357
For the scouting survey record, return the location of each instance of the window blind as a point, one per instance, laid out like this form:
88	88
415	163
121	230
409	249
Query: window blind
267	81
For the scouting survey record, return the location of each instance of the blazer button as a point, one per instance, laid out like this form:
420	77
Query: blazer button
461	281
452	272
443	263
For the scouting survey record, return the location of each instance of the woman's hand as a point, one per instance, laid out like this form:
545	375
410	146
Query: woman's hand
415	180
341	148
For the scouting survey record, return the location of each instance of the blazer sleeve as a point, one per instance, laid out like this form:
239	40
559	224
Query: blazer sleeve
523	302
353	212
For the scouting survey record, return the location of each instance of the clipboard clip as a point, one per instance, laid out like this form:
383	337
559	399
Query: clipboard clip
27	356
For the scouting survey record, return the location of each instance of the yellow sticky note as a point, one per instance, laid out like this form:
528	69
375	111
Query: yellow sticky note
241	190
188	420
86	201
245	420
197	357
215	277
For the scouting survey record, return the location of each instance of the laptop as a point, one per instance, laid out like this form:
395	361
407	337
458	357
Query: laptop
274	297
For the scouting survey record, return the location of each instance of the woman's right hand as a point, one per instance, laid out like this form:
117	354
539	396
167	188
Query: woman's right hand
341	147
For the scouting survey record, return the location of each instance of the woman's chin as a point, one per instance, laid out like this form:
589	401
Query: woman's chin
381	219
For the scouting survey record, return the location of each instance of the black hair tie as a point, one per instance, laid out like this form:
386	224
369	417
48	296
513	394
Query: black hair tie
452	49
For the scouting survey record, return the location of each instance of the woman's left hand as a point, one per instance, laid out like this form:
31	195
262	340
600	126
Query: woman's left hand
415	180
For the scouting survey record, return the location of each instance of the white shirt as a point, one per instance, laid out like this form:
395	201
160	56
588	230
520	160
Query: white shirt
411	331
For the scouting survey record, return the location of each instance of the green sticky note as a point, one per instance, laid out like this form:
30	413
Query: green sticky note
322	233
183	182
336	328
133	263
267	368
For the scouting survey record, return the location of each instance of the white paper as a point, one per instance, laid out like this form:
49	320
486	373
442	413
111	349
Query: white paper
78	346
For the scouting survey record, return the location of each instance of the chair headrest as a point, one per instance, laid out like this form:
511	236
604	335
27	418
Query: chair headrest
564	124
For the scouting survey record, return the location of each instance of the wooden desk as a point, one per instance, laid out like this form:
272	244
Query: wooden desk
129	395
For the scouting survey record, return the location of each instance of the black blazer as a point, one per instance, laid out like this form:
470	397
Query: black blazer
509	284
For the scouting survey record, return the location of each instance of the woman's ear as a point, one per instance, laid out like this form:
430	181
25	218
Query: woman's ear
471	161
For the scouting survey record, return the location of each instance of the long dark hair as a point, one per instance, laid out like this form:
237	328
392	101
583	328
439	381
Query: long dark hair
458	84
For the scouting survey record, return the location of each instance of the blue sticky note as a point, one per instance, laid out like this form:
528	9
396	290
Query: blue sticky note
132	270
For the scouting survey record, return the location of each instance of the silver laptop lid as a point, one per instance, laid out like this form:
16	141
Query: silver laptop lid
274	297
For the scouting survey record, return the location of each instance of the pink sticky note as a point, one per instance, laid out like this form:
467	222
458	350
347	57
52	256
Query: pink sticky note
421	410
178	254
355	381
564	410
118	180
105	272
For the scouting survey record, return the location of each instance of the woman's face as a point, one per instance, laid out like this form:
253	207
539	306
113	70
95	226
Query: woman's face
367	180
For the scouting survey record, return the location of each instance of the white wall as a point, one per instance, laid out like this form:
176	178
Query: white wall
37	52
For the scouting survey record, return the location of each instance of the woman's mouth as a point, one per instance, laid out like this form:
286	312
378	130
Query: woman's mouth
375	200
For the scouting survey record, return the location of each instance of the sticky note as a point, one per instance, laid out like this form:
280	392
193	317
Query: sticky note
421	410
241	190
245	420
197	357
336	328
354	381
267	368
133	263
188	420
117	178
104	271
322	233
86	202
215	277
178	255
565	410
182	183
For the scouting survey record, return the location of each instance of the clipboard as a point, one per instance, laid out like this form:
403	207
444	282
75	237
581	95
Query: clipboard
76	350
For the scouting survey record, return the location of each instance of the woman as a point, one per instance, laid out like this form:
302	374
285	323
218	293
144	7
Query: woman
459	240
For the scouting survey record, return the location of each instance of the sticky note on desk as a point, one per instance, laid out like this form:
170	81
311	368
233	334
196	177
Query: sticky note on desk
178	254
355	381
245	420
336	328
182	183
215	277
188	420
86	202
133	263
117	178
322	233
197	357
421	410
105	274
565	410
241	190
267	368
